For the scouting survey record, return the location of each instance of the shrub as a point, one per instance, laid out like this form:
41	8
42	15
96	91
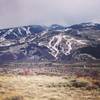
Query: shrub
77	84
14	98
97	83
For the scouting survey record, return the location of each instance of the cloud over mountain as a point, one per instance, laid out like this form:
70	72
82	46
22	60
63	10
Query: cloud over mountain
24	12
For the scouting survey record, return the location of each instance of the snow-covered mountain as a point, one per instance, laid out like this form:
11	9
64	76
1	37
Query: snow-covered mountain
80	42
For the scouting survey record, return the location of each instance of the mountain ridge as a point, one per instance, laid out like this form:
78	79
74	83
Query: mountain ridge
53	43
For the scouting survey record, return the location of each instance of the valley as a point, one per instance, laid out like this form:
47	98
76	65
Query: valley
49	81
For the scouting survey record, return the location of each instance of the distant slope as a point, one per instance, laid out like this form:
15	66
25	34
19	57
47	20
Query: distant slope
76	43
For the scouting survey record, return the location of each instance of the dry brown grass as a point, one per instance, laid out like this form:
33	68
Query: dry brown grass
42	87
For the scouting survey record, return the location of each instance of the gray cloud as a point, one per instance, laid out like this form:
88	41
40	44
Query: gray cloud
24	12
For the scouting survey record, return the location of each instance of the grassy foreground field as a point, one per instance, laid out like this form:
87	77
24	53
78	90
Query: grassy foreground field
47	87
49	82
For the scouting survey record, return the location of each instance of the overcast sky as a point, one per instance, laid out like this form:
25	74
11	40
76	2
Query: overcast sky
66	12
